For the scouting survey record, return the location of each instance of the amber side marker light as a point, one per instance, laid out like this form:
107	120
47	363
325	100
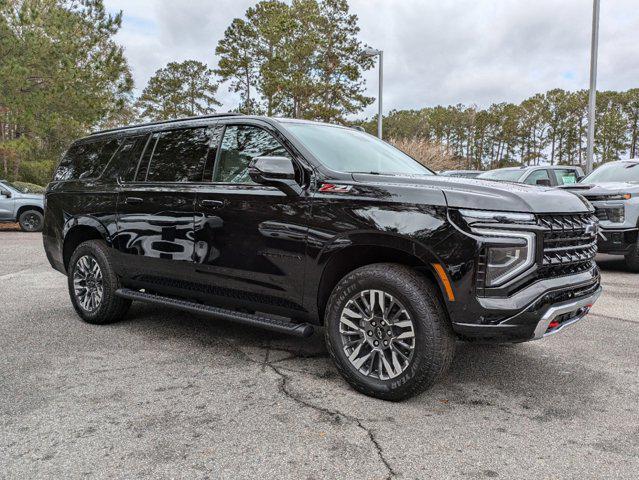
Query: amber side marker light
444	278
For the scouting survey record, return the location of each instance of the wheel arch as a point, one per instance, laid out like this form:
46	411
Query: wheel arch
385	250
25	208
78	230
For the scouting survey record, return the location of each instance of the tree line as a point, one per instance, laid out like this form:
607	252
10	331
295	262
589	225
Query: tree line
62	75
547	127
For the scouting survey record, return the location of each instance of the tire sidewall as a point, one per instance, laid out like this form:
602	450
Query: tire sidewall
419	313
91	249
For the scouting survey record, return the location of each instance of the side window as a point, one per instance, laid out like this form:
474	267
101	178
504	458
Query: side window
86	160
125	160
565	176
537	175
240	144
179	156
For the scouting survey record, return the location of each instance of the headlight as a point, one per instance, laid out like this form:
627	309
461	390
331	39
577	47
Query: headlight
505	261
616	214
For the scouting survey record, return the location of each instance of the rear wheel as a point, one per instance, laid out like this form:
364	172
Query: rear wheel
387	331
31	221
93	283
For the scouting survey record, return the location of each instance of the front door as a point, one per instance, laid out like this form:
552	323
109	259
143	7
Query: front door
250	238
7	203
155	221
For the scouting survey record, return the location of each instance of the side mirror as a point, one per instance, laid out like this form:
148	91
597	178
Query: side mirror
580	178
543	182
276	172
5	193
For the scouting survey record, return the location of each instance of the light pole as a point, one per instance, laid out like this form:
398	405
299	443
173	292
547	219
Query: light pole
592	98
372	52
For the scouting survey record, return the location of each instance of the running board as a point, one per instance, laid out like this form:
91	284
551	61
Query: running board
273	324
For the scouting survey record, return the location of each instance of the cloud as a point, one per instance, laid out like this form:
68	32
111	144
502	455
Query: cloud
436	52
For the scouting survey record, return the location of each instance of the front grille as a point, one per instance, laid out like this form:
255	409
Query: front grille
569	243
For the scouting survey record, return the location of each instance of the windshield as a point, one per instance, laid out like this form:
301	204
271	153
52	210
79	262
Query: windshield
506	175
351	151
614	172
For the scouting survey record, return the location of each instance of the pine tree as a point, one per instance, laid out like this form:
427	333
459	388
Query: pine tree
238	63
182	89
303	60
60	73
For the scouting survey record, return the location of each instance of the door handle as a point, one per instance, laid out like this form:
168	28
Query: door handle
212	203
132	200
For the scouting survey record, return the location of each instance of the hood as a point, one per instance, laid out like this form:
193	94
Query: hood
491	195
589	190
36	197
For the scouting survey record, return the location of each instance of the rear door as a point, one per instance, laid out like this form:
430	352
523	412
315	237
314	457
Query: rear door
155	222
250	238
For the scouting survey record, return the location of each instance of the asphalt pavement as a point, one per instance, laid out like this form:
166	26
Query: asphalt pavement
167	394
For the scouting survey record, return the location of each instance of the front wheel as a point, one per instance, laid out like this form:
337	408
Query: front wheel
93	283
31	221
388	332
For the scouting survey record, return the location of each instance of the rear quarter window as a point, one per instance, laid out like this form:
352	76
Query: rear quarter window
86	160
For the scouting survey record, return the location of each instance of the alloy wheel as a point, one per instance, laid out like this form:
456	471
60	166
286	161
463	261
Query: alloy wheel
88	286
31	222
378	334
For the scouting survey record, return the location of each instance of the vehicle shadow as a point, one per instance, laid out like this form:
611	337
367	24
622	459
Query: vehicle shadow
526	377
612	263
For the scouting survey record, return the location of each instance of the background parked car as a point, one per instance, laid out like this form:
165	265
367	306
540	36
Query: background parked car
460	173
546	175
613	189
23	203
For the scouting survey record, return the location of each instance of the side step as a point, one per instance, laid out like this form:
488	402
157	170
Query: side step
273	324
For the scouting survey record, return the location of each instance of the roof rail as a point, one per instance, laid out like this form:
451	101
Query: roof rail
164	122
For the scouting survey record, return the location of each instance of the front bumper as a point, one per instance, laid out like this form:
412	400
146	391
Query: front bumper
542	309
617	241
564	314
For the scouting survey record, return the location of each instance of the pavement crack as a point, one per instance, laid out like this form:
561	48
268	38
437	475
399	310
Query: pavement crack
378	448
336	415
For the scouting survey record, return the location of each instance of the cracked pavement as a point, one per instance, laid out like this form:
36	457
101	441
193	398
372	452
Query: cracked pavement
167	394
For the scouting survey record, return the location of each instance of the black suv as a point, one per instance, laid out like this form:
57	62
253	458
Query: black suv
286	224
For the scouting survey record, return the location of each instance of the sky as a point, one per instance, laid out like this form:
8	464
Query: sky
436	52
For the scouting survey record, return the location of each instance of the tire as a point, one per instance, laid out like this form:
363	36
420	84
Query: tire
110	308
632	259
31	221
433	341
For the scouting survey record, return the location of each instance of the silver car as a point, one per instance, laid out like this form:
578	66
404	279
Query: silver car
543	175
613	189
19	203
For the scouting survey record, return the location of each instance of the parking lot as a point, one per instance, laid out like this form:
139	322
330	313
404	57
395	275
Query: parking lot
173	395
